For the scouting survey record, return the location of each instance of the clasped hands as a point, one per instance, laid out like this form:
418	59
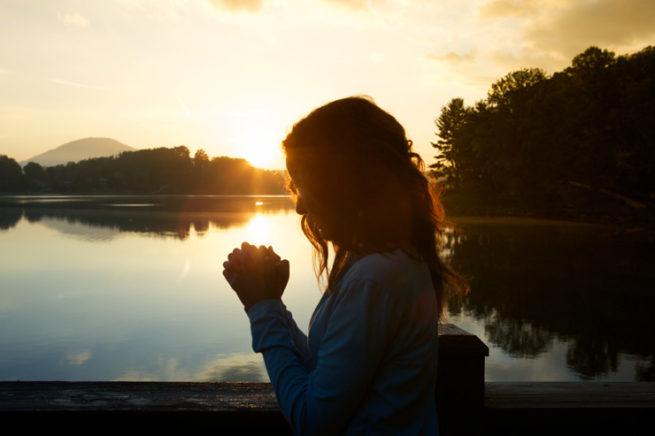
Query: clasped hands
256	273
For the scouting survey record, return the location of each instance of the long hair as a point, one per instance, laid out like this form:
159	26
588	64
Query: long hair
365	190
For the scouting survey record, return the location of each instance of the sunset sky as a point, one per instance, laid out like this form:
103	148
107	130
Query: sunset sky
231	76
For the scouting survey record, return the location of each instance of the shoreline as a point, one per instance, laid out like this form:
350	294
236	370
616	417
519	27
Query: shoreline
644	221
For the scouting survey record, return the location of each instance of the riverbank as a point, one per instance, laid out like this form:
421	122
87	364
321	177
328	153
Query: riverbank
580	206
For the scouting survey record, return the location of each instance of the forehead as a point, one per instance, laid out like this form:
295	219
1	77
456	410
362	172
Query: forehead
292	169
301	160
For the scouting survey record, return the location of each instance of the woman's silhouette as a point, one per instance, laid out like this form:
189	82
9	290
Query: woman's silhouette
369	363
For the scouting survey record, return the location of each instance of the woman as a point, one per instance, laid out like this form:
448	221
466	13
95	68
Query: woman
369	364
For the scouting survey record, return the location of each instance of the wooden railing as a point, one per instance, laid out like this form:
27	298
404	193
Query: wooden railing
465	403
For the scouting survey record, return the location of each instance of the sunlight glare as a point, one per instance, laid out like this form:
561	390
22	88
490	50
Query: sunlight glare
261	151
258	230
259	142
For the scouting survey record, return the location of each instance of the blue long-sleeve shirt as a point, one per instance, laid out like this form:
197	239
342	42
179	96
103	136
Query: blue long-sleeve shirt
369	363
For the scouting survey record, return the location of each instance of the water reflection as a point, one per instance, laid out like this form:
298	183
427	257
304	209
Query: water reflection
533	284
78	358
130	289
104	217
9	217
235	367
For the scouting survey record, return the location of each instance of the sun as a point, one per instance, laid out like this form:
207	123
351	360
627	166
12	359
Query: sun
259	143
263	153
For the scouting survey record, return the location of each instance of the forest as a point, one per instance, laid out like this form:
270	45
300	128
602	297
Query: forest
579	143
153	171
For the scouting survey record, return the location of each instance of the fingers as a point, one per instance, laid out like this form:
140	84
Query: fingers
234	260
272	253
250	257
255	253
231	266
234	254
282	267
229	276
245	247
251	253
255	273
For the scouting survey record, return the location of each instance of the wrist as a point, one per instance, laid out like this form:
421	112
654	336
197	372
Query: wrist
264	302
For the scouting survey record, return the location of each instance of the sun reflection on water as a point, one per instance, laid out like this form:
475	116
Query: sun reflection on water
258	230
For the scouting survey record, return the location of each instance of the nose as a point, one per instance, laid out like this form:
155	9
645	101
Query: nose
300	206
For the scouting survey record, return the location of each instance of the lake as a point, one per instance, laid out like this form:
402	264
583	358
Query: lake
130	288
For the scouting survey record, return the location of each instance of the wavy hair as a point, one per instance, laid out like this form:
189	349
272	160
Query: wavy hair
365	190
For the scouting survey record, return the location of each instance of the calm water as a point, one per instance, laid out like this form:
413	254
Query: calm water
130	288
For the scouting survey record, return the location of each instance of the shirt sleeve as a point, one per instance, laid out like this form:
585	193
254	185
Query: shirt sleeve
272	309
323	400
299	340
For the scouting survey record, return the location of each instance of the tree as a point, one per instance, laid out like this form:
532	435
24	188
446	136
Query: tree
33	171
449	124
200	159
35	176
11	175
501	90
537	141
592	59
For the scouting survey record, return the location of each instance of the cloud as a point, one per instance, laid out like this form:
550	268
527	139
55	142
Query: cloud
509	61
470	69
605	23
356	4
556	30
509	8
77	359
249	6
451	57
74	84
73	20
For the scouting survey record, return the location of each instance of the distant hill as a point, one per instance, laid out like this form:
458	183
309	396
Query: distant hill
79	150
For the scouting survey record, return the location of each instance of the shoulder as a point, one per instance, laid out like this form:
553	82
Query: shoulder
390	270
390	290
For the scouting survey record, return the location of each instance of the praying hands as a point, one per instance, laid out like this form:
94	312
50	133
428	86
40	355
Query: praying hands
256	273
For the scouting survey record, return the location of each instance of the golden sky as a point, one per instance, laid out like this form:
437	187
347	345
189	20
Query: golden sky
231	76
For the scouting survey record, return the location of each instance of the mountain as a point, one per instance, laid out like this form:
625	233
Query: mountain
79	150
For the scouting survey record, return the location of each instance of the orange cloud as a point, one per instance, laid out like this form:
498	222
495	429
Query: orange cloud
559	29
451	57
605	23
509	8
250	6
355	4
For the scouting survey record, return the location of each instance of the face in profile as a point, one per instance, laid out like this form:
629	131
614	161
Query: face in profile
298	187
301	209
309	198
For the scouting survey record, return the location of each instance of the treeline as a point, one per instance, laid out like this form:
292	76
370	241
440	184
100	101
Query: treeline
155	171
581	141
